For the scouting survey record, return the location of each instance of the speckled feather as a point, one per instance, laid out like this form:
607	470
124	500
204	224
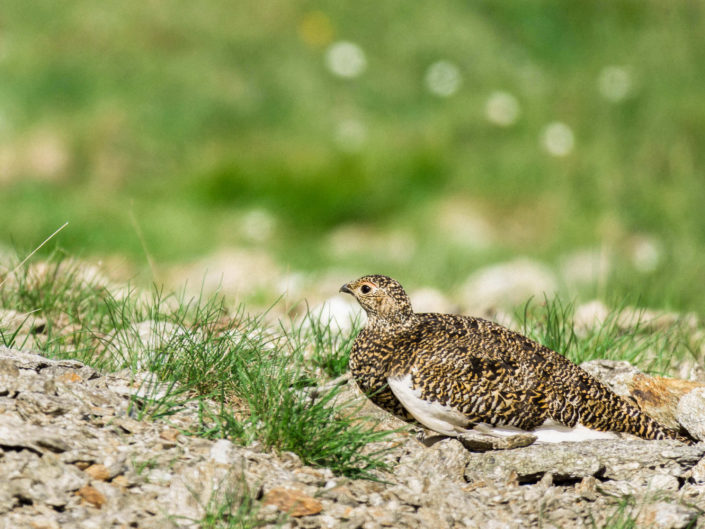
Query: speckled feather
490	374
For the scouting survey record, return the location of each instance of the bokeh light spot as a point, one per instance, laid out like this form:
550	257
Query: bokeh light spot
258	225
443	79
558	139
47	154
350	135
346	59
646	254
614	83
502	109
316	29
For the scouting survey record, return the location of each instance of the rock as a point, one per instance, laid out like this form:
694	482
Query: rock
662	482
170	434
430	300
690	412
99	472
611	459
618	375
690	368
91	495
595	313
12	321
341	312
480	442
585	267
71	456
8	368
660	397
36	362
503	317
446	459
69	378
292	502
45	522
223	452
589	316
663	515
159	476
697	473
234	272
653	320
507	285
16	434
587	488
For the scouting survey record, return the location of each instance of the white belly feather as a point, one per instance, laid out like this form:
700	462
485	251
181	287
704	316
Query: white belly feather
449	421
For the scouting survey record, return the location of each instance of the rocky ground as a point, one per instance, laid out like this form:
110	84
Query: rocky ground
73	454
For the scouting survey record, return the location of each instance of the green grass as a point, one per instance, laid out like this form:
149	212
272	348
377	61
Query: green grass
552	324
250	380
327	346
235	508
253	381
623	516
187	119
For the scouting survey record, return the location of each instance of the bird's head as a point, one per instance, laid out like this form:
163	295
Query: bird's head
382	297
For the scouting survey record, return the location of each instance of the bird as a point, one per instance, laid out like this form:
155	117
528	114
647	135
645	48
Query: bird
458	375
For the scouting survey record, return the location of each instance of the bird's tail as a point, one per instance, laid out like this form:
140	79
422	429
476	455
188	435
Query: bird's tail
643	425
601	409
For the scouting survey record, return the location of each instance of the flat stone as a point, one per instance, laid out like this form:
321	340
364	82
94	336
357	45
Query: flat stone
22	323
507	284
616	374
658	396
445	460
613	459
293	502
64	428
91	495
99	472
223	452
690	412
663	515
14	433
480	443
8	368
35	362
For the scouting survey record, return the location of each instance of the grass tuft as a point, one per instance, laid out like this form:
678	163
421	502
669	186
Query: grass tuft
248	379
324	342
623	516
552	324
236	508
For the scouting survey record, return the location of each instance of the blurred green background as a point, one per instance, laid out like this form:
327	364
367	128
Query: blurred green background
424	140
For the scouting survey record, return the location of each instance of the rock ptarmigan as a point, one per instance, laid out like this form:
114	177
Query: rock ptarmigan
459	375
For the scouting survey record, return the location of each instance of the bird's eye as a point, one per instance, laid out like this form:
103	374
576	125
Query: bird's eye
365	289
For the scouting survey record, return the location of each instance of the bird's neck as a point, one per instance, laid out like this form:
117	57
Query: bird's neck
391	321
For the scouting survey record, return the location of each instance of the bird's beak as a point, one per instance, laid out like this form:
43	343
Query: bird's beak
345	289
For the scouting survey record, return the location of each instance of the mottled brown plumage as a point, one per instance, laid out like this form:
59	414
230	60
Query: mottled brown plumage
489	374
